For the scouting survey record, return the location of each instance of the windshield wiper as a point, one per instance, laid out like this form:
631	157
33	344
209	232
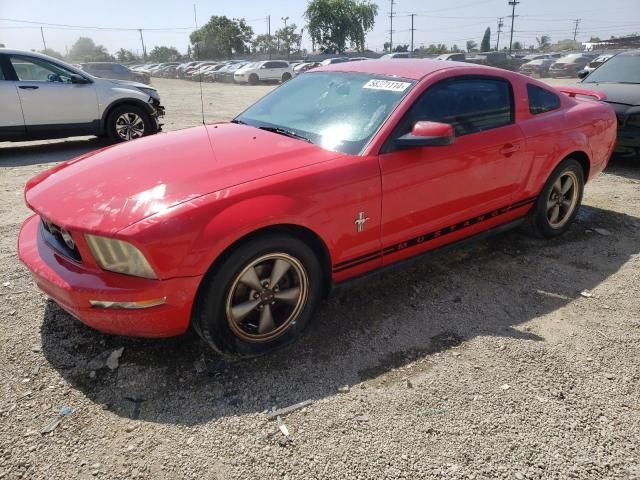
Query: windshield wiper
235	120
287	133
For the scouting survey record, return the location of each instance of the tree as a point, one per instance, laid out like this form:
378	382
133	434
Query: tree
595	40
263	44
485	44
52	53
544	42
471	45
517	46
455	48
126	56
85	50
401	48
222	37
164	54
334	23
288	40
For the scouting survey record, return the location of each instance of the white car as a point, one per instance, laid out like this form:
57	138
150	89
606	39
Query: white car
42	97
267	71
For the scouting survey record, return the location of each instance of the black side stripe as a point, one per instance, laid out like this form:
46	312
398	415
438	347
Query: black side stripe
339	267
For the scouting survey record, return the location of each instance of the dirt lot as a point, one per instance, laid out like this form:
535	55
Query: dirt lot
516	358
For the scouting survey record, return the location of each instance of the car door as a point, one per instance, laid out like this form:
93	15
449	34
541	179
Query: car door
267	71
11	119
431	188
48	97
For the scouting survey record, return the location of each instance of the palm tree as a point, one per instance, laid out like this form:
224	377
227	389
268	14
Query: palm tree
544	42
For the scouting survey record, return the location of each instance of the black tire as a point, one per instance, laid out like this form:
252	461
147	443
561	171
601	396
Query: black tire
286	76
211	317
539	222
253	79
150	126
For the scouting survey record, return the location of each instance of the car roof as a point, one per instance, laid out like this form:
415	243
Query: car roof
413	69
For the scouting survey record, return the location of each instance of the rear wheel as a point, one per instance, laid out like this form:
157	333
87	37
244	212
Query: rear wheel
253	79
260	297
128	122
558	204
286	76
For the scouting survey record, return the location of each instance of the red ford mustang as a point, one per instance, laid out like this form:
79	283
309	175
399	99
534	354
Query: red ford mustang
240	228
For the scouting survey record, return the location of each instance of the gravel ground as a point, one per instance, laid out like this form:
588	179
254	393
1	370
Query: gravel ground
515	358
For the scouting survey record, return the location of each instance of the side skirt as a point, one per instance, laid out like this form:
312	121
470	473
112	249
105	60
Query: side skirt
402	264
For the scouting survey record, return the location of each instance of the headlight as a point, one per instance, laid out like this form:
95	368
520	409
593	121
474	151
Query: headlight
119	256
152	92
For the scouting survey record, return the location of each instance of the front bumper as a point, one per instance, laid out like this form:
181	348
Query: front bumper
73	285
628	141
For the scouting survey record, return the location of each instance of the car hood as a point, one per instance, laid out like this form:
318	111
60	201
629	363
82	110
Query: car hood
110	189
128	83
623	93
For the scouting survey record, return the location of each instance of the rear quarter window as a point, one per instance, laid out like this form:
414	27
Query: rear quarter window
541	100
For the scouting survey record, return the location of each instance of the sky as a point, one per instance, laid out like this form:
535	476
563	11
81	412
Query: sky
449	22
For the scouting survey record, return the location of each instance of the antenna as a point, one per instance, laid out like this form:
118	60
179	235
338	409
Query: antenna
195	21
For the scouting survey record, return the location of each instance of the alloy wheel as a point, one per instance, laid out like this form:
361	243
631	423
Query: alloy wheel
129	126
562	200
266	297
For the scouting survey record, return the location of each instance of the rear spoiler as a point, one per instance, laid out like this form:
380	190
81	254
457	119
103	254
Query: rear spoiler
573	92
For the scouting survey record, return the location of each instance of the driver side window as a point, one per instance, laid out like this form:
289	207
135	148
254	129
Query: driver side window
469	104
36	70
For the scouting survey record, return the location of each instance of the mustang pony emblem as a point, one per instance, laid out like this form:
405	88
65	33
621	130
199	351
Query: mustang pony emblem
360	221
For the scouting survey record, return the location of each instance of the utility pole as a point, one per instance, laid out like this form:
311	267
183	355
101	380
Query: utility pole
575	30
391	28
45	43
144	49
269	33
195	16
513	4
500	25
412	30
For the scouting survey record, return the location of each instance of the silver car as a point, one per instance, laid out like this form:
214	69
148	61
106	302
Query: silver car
42	97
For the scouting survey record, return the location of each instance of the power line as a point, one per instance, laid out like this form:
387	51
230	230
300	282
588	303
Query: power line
412	30
575	30
391	27
513	4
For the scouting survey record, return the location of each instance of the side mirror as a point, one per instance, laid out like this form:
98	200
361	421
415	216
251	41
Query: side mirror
79	79
427	134
582	74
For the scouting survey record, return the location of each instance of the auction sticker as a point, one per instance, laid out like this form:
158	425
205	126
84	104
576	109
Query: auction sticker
390	85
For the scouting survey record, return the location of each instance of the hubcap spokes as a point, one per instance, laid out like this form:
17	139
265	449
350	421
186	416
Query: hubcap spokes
267	297
562	200
129	126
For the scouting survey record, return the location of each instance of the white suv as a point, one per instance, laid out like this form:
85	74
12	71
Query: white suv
42	97
269	70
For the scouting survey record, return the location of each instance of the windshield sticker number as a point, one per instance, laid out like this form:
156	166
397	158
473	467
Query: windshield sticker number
389	85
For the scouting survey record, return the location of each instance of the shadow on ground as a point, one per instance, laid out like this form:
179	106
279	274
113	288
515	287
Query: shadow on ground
360	333
23	154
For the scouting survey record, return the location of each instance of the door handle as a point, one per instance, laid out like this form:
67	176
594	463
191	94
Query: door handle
28	87
509	149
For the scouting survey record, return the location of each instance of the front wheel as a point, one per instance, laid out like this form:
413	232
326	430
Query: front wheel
128	122
260	297
253	79
286	76
559	201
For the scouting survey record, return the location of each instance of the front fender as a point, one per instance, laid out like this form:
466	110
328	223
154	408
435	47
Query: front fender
198	231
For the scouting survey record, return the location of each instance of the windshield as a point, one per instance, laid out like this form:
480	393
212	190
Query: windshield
619	69
335	110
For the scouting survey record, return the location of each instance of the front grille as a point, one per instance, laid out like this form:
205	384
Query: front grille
52	234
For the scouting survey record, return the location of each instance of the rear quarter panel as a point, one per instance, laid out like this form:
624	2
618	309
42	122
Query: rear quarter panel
586	126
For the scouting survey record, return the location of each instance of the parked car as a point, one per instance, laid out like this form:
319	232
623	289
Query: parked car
209	74
395	55
303	67
452	57
496	59
537	68
339	172
115	71
591	66
619	79
267	71
42	97
570	65
331	61
226	75
180	69
358	59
